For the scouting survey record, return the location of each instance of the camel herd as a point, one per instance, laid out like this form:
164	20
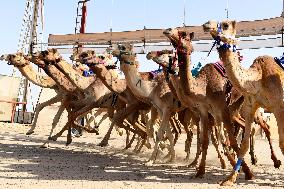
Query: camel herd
223	98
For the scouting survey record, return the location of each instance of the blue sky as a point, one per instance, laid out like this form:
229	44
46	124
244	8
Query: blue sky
125	15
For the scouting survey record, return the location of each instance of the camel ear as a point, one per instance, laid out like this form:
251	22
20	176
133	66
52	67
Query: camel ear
54	51
191	35
234	23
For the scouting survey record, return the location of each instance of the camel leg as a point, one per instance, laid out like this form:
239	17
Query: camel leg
279	115
160	135
217	147
188	141
175	129
198	146
206	123
252	154
54	123
265	127
104	142
249	112
39	107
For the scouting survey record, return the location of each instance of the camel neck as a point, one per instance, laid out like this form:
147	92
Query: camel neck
238	75
109	79
59	78
137	85
37	78
184	72
76	78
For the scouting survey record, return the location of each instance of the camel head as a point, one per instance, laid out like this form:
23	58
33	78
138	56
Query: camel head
49	56
18	59
117	50
160	57
180	39
225	30
92	59
124	53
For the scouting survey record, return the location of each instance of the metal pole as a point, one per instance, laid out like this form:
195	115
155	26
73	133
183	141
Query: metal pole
184	11
227	9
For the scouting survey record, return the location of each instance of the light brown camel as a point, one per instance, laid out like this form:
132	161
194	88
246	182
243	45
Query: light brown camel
207	93
119	88
162	58
76	98
95	94
22	63
262	84
94	61
156	92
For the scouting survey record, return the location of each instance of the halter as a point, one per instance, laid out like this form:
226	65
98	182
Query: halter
220	45
180	50
128	54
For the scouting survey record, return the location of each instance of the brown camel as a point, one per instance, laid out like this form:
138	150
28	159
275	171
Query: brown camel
156	92
114	84
207	93
22	63
76	98
119	87
261	85
90	95
162	58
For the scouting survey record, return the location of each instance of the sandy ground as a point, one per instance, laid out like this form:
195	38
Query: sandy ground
84	165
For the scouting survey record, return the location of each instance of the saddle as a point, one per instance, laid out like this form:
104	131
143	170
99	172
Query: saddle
228	91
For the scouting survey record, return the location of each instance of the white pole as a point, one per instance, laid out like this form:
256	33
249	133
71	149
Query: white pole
184	11
227	9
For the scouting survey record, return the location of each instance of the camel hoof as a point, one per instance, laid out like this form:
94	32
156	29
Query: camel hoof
44	145
200	173
68	142
230	180
227	183
249	176
29	132
149	163
277	164
103	144
254	160
52	138
193	164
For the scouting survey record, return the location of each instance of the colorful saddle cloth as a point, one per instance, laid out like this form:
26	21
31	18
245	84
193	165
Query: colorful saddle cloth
280	61
220	68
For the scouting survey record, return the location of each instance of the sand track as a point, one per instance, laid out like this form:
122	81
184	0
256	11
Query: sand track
84	165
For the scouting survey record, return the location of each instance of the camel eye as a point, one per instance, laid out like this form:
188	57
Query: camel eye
225	26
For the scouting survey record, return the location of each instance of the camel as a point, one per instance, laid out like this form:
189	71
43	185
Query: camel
22	63
206	92
261	85
90	95
162	58
95	63
156	92
79	81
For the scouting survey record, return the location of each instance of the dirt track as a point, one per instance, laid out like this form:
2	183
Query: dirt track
84	165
